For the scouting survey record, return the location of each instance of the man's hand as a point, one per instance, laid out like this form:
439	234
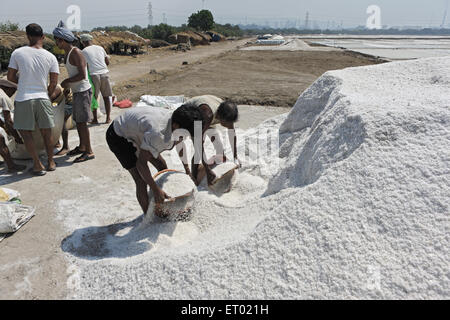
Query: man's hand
9	128
238	162
210	176
65	84
160	196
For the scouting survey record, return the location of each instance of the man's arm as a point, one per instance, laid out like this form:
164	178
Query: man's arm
12	75
52	85
144	171
9	127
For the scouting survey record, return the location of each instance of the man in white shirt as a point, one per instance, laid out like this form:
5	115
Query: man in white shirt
98	62
30	67
140	135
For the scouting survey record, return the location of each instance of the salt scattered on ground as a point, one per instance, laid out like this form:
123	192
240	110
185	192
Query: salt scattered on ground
358	208
291	44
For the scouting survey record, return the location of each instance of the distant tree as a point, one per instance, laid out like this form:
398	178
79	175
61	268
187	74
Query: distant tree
202	20
162	31
136	29
8	26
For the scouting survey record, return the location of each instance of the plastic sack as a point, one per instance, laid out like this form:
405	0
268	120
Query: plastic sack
13	216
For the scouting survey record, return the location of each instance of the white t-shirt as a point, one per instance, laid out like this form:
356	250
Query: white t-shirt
212	101
34	66
148	128
95	56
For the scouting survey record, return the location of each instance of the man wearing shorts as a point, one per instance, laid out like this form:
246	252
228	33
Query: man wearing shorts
139	135
98	62
32	103
81	89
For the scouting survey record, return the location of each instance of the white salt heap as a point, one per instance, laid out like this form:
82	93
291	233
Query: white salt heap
359	207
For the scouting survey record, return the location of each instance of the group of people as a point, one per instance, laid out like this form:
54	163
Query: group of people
137	137
33	72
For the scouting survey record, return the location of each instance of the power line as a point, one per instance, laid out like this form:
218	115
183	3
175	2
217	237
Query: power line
150	14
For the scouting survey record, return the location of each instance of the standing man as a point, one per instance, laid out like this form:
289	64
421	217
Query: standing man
98	62
81	88
32	104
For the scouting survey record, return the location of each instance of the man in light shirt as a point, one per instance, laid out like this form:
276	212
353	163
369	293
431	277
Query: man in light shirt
30	67
139	136
98	62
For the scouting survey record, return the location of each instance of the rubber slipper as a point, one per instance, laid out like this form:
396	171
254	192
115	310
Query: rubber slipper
37	173
50	169
84	157
75	152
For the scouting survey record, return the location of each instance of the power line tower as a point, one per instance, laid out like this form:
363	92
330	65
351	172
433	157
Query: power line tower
164	18
150	14
445	16
307	20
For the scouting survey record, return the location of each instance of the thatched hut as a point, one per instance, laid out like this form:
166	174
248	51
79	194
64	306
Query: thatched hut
194	38
11	40
119	42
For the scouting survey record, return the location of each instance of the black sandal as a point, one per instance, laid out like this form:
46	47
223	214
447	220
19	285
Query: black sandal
75	152
84	157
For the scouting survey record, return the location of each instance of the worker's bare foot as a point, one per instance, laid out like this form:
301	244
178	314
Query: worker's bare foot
51	166
108	120
62	152
95	121
16	168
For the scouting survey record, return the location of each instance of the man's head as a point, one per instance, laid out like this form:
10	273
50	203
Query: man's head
63	36
34	33
86	39
185	117
227	114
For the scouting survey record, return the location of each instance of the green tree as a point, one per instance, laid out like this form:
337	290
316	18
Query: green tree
162	31
202	20
8	26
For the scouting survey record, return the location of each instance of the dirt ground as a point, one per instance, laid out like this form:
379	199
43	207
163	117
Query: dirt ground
32	263
269	78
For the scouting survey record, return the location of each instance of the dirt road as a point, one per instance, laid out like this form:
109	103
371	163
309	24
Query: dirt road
270	78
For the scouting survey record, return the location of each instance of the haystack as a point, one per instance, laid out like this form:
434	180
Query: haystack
195	38
118	42
180	37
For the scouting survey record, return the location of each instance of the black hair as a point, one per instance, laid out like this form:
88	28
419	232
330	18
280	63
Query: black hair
228	111
186	115
34	30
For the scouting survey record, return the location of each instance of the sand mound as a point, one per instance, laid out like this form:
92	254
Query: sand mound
357	209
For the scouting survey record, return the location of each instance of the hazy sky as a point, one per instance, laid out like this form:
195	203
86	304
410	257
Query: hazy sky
276	12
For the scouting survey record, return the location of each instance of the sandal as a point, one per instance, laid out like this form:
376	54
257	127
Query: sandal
75	152
37	173
84	157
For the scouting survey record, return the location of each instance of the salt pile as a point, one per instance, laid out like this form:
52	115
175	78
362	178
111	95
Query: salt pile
359	207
